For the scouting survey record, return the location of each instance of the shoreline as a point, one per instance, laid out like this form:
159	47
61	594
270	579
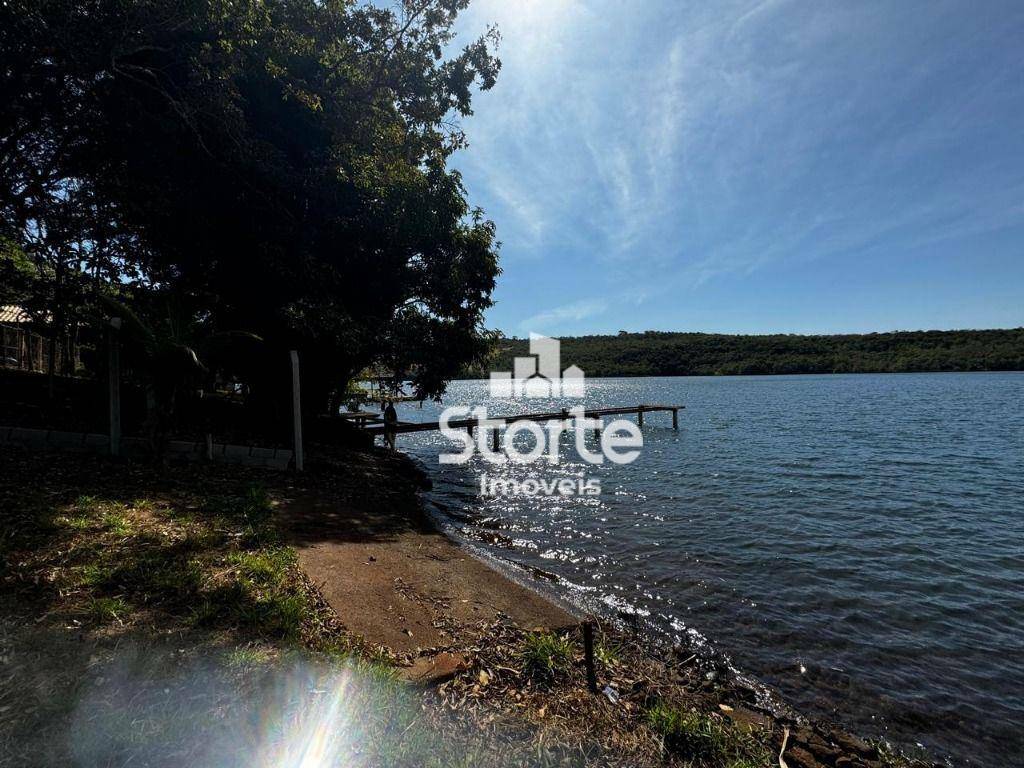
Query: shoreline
398	580
769	700
815	742
380	589
785	524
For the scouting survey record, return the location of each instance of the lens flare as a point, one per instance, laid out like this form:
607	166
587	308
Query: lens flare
317	731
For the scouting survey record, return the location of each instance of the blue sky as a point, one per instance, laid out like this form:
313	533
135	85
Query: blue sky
752	167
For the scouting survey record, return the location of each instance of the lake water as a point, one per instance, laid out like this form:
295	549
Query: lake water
856	541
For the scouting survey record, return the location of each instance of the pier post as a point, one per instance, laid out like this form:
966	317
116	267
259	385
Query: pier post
296	410
675	419
640	416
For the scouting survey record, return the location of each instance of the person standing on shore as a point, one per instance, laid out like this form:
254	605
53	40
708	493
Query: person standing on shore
390	420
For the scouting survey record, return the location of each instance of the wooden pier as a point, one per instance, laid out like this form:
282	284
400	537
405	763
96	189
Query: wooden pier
565	414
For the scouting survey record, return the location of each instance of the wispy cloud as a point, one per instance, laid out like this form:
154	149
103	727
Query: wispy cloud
678	144
558	320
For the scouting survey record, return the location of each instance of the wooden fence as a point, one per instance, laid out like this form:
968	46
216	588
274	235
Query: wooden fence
26	350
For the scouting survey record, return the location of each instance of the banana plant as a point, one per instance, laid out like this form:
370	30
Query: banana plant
172	355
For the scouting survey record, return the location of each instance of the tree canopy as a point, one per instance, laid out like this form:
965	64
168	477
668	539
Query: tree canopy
279	167
714	354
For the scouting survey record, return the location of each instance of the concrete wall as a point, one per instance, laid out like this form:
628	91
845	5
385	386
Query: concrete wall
47	439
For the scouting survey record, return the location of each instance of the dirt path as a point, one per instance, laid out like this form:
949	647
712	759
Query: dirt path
398	582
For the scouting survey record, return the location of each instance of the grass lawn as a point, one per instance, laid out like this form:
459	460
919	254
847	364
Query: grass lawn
158	618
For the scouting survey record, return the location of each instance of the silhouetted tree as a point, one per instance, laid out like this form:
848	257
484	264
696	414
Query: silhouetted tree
284	161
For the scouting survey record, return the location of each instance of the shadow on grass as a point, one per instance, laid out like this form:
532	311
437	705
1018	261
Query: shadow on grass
113	545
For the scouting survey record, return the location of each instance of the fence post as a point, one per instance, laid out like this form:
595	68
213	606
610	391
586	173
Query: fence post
114	374
296	410
588	655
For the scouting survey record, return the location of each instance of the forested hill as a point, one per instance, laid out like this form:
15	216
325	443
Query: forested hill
710	354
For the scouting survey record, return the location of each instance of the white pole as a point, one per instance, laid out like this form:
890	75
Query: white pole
114	376
296	410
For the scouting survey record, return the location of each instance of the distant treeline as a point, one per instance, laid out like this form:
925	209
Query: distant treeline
712	354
